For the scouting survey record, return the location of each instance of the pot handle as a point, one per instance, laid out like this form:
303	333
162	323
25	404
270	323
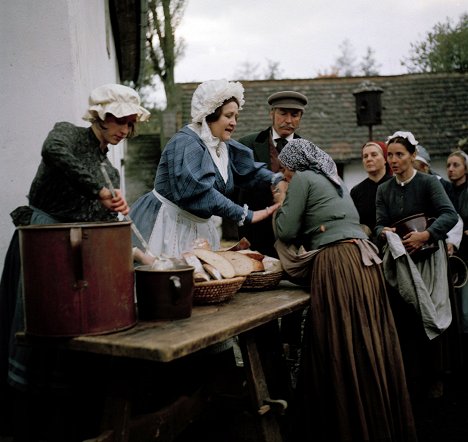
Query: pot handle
76	237
176	289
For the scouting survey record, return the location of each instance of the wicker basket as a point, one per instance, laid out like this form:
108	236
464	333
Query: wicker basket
262	280
214	292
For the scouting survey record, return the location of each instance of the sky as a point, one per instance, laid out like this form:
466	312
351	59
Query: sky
303	36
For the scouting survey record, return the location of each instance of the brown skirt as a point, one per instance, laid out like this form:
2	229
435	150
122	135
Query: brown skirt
351	384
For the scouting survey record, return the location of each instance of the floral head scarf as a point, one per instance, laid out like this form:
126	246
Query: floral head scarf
300	154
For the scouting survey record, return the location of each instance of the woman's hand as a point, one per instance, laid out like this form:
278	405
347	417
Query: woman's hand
141	257
386	229
279	192
260	215
450	249
415	240
116	204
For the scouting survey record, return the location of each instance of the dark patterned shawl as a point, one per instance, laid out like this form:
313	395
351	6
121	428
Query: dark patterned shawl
301	154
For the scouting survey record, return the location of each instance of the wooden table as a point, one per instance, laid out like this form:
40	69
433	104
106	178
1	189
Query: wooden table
165	341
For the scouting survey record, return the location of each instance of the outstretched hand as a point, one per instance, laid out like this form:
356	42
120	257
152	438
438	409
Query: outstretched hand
260	215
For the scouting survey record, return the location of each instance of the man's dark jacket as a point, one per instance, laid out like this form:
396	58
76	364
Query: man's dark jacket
260	234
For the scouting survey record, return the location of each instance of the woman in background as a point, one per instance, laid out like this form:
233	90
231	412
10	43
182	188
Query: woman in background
419	285
457	169
351	384
374	160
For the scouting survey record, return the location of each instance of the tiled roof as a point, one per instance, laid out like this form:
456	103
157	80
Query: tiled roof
432	106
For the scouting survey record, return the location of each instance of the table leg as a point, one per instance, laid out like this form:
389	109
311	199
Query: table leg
268	426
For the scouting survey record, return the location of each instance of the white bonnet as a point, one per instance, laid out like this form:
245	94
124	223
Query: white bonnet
211	94
117	100
408	135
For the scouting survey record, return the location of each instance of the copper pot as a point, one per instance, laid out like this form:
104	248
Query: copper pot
77	278
164	294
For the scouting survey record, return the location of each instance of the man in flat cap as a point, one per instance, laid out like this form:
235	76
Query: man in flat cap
286	110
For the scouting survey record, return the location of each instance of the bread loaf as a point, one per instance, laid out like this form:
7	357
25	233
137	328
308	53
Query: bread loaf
257	265
272	265
199	273
219	262
243	265
241	245
212	271
253	254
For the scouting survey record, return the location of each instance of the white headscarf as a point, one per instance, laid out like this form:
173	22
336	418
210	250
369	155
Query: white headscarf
115	99
213	93
208	96
408	135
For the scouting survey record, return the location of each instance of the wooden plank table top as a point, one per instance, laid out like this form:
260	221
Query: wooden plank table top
165	341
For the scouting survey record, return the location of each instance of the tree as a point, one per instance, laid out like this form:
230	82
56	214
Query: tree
369	65
445	49
273	70
247	71
163	48
344	64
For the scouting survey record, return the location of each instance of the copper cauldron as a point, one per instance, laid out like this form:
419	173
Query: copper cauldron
77	278
416	223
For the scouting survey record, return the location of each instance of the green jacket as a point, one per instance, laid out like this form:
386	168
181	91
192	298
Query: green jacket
314	215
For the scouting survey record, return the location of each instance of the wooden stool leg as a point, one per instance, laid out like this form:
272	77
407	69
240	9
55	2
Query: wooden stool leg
267	424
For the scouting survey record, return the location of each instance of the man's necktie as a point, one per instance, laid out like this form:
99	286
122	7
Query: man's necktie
280	143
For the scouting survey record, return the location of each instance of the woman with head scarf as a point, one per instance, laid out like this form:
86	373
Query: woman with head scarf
415	263
374	160
68	187
351	384
196	175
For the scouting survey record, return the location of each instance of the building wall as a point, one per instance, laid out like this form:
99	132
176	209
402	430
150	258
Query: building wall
53	53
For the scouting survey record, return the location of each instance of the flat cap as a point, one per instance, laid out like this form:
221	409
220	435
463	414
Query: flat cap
288	100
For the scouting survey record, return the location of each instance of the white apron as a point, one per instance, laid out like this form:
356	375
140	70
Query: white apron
176	230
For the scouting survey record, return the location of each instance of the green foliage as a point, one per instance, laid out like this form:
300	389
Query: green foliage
445	49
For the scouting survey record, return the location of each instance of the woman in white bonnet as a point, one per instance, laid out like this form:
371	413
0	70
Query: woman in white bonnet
196	175
68	187
417	276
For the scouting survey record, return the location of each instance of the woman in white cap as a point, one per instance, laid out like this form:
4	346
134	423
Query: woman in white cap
415	264
196	175
68	187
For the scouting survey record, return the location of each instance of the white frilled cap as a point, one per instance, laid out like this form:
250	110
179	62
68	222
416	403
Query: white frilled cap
211	94
116	99
408	135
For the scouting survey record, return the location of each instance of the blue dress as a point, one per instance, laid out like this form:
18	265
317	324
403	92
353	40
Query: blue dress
187	177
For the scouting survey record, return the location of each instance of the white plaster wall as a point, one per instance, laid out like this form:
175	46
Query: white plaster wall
52	54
